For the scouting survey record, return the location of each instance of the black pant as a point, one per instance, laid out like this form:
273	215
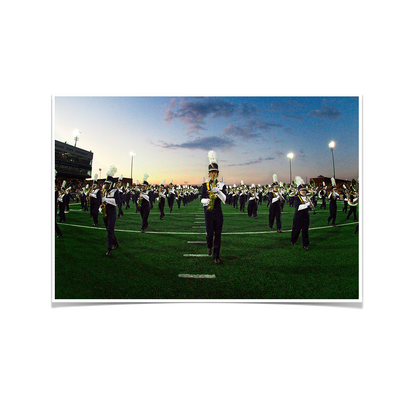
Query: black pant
161	206
301	223
275	212
214	221
61	207
94	212
145	212
332	213
242	202
252	208
109	222
353	210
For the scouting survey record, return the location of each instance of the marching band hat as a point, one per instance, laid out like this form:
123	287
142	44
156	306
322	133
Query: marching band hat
275	180
300	183
109	179
112	170
212	158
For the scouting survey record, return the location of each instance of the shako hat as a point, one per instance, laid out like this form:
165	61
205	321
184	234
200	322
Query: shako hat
275	180
212	158
300	183
111	171
145	179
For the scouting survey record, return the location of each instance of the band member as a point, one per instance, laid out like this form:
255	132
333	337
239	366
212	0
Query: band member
322	195
353	200
171	196
212	193
253	202
121	196
275	199
301	218
61	203
242	196
95	201
144	203
58	230
345	199
128	195
332	197
110	200
162	194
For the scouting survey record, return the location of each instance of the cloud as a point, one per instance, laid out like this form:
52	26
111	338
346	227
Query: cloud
204	143
193	113
258	161
326	112
252	129
242	131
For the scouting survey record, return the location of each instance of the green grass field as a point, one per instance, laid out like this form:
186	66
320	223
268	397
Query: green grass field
257	263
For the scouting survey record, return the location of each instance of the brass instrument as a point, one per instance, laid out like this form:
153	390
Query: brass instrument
103	205
212	196
354	193
88	196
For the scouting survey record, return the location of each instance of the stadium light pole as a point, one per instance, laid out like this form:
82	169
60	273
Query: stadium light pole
132	155
331	146
290	156
76	135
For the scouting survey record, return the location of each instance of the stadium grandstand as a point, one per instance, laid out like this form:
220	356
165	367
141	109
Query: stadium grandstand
73	164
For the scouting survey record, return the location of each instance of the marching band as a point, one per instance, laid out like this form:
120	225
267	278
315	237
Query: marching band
303	198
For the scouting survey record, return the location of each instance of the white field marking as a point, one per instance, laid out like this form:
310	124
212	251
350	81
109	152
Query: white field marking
202	233
196	276
197	242
195	255
199	227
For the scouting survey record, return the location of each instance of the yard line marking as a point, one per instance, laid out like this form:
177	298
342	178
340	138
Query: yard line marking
197	227
196	276
201	233
195	255
197	242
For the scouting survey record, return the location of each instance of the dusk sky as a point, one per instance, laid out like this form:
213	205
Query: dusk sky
252	136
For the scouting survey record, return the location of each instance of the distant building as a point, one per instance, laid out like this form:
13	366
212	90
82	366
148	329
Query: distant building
339	182
72	162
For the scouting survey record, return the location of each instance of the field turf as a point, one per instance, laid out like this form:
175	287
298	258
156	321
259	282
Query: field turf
258	264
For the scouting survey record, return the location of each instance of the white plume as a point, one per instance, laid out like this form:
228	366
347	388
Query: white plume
170	182
112	170
162	182
95	177
212	156
242	183
63	184
145	176
298	180
274	178
333	181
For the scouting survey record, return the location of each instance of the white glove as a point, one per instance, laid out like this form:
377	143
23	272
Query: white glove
215	190
205	202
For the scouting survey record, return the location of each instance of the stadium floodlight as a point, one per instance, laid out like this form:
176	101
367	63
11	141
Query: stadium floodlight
76	135
132	154
290	156
331	146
